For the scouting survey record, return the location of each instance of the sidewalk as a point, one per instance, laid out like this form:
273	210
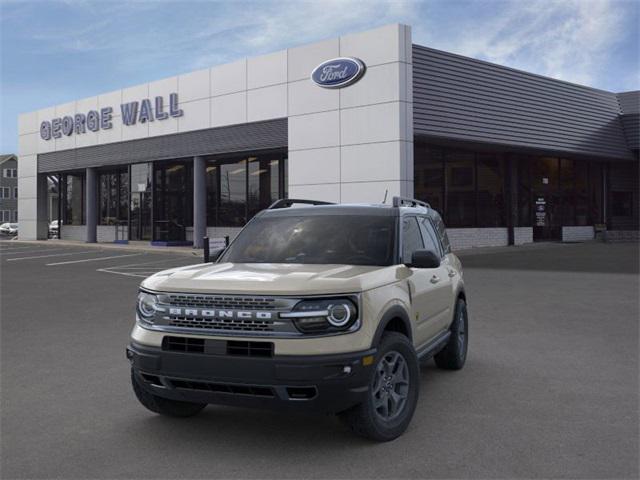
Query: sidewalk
468	252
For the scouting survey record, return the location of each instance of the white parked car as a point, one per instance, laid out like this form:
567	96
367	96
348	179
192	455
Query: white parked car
54	229
9	229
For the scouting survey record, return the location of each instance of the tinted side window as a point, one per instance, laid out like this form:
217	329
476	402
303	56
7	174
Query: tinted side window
442	233
429	235
411	238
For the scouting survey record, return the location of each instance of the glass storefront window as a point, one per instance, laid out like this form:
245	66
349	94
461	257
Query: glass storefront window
73	201
491	199
567	192
53	197
233	194
467	188
623	199
238	188
460	187
523	190
470	188
264	185
173	200
581	172
123	196
140	201
213	192
141	177
429	176
596	188
113	197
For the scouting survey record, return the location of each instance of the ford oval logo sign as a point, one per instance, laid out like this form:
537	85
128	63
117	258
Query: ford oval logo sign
338	73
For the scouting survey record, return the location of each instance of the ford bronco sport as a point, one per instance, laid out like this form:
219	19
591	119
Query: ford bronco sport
323	307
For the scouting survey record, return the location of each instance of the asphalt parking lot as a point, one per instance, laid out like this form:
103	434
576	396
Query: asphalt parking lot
550	388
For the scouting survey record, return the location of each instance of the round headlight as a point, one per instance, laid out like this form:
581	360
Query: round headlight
324	315
339	314
146	305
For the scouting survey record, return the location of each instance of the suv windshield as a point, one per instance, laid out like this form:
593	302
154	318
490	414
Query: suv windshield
318	239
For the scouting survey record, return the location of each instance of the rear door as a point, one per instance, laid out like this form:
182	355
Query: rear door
428	286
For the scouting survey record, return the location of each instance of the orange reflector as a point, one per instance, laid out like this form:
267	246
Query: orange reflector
368	360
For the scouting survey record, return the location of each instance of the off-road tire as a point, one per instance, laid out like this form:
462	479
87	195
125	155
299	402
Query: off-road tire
364	419
454	354
164	406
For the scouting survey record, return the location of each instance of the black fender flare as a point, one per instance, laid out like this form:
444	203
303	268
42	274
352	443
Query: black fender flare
395	311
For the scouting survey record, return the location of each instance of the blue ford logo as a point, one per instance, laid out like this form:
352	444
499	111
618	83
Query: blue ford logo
338	72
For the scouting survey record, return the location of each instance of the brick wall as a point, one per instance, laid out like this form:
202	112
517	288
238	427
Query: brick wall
74	232
522	235
107	233
462	238
577	234
615	236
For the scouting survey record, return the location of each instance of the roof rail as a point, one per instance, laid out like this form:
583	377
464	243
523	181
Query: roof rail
411	202
287	202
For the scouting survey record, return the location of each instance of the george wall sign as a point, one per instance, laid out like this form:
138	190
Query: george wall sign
339	72
94	120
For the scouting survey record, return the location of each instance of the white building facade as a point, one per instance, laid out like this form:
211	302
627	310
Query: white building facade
198	154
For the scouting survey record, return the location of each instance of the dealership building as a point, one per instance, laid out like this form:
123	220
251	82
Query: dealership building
506	156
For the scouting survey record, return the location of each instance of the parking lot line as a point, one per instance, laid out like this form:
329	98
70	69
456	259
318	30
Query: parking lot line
50	255
92	259
142	269
21	248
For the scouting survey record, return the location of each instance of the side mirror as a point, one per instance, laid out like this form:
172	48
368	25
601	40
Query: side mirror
424	259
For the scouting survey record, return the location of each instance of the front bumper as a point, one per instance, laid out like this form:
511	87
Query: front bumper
317	383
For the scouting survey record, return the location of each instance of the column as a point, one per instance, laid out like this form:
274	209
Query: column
199	201
91	207
42	214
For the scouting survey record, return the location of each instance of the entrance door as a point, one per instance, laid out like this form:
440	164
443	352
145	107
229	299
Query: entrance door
140	213
140	219
173	200
545	190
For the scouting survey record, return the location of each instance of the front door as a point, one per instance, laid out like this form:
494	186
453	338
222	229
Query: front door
140	216
430	287
173	200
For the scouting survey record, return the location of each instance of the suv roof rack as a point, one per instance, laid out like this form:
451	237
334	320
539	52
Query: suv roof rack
411	202
287	202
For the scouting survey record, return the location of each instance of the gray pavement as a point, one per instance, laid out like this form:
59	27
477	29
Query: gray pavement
550	388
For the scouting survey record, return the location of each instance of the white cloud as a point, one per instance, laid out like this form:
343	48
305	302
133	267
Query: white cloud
269	26
569	40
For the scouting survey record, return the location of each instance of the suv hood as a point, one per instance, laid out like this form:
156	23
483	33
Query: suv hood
271	279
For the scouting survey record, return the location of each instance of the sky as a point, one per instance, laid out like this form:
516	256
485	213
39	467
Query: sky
55	51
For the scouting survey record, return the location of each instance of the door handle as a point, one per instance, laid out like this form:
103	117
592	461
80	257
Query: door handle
435	279
452	273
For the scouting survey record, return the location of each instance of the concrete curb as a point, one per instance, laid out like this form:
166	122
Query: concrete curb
186	251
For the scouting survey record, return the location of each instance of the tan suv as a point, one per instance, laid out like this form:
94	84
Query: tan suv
320	307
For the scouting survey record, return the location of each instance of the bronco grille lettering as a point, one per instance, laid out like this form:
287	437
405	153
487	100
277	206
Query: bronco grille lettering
233	314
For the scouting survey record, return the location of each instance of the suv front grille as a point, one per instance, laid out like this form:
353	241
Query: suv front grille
218	301
223	324
225	315
250	349
183	344
217	347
